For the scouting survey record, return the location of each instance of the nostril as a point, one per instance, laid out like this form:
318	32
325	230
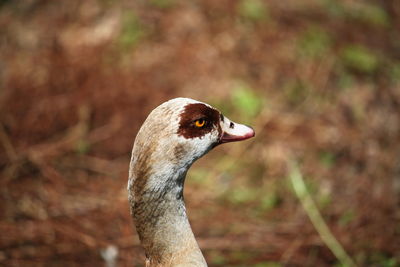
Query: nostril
232	125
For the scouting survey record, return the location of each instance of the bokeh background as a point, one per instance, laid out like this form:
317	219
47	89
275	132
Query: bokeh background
317	79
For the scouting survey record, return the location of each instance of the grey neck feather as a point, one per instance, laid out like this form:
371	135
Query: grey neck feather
158	210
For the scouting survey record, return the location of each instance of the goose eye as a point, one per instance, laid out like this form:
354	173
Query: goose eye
200	123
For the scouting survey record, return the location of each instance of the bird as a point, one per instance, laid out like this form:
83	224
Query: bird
173	136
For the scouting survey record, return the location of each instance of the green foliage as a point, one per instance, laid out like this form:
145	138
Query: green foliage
217	258
346	218
370	14
263	199
254	10
311	186
324	199
364	12
359	58
267	264
246	100
269	201
244	103
315	42
241	195
334	8
241	255
198	175
131	32
296	91
82	147
107	3
383	260
226	107
162	3
327	159
345	79
390	262
395	73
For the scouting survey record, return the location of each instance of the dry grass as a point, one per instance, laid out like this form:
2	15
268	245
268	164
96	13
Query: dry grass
318	80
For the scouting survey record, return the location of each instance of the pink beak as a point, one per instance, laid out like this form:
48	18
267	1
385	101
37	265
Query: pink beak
232	132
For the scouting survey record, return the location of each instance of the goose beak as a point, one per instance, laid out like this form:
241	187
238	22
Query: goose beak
232	131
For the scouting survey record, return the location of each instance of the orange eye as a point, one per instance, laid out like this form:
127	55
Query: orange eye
200	123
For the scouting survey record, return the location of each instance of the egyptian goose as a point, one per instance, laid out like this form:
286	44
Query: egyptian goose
174	135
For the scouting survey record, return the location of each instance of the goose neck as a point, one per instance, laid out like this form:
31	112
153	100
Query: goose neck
159	213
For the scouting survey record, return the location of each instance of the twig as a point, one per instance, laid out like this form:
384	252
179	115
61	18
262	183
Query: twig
14	162
8	147
316	218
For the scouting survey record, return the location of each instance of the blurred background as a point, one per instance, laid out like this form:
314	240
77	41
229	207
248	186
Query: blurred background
319	80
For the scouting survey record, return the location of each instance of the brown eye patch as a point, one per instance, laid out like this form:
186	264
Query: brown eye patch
195	112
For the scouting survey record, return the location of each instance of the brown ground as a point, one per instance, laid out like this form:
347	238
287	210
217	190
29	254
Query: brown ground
318	80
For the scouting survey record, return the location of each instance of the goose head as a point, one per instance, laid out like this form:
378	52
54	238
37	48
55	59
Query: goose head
173	136
182	130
